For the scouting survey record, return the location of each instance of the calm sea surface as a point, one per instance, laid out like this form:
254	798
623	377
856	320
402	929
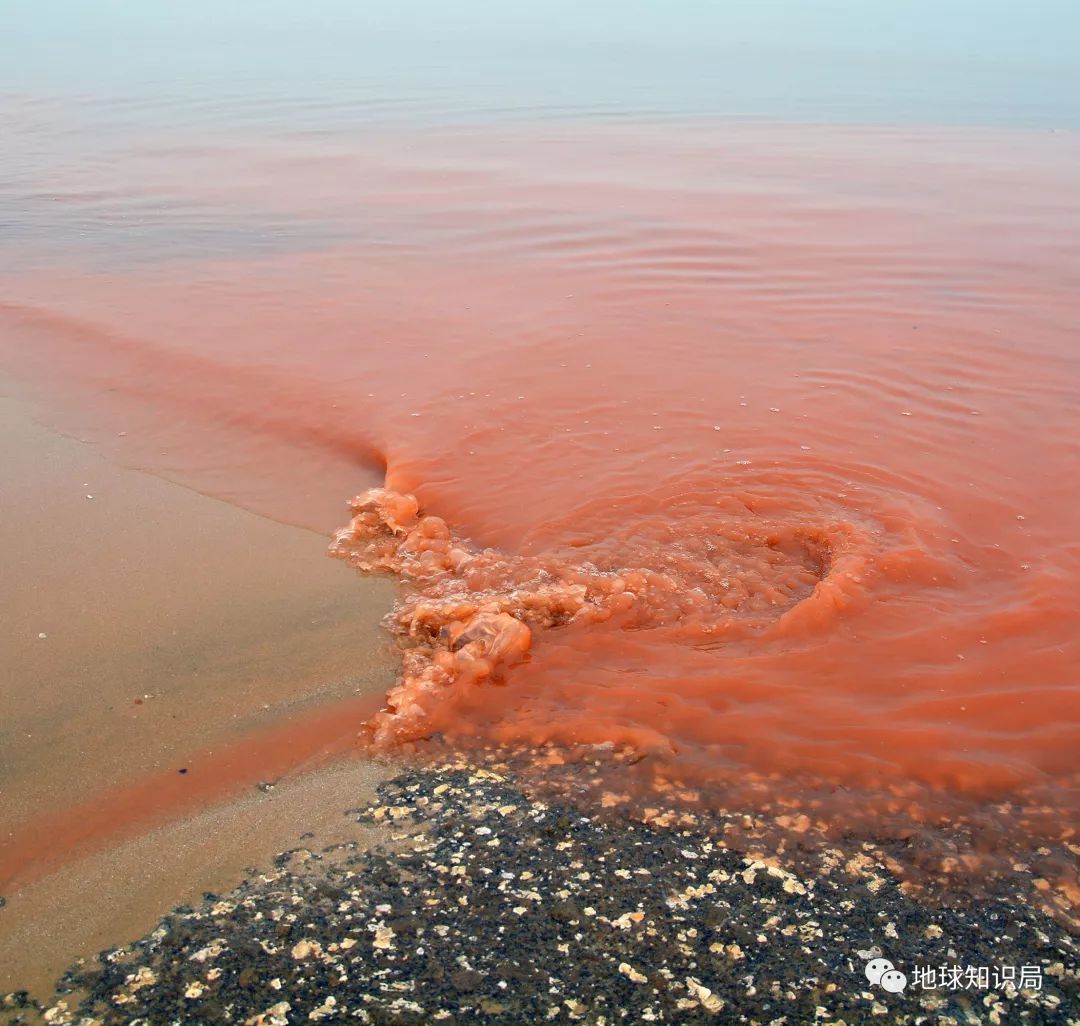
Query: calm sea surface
735	344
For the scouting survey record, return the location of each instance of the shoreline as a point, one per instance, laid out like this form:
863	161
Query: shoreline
132	863
149	630
112	895
462	899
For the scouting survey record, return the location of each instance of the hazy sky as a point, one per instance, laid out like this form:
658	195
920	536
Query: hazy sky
980	61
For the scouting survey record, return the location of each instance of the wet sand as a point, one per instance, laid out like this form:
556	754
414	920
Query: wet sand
148	630
112	896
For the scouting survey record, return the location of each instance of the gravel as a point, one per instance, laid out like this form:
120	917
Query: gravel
485	905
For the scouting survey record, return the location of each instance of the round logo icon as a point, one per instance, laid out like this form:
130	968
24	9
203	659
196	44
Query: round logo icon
893	981
878	967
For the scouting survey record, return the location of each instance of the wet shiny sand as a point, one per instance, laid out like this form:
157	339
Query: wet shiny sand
149	630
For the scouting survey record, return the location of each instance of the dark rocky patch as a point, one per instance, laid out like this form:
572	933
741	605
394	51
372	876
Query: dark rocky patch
486	906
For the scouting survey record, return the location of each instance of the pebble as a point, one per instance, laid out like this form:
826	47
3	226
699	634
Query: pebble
667	925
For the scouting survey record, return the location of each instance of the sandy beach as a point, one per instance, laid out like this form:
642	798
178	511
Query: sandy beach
146	632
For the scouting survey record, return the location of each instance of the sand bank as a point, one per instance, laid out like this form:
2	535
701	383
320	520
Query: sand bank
147	630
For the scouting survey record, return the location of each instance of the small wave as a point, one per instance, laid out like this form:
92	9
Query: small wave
471	614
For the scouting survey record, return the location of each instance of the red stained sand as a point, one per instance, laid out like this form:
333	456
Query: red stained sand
753	446
35	849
